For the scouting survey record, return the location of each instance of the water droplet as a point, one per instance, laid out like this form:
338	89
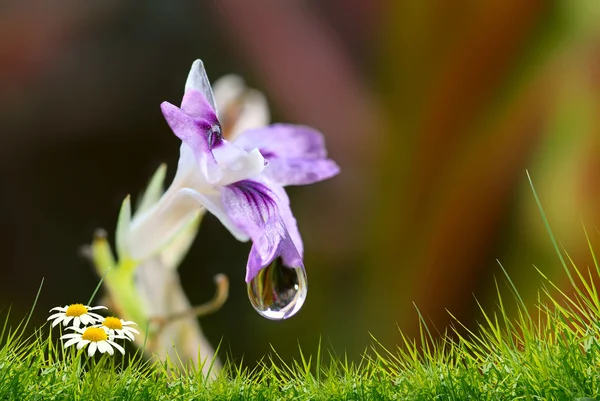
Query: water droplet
278	292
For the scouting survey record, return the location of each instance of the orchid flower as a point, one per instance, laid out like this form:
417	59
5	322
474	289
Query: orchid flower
240	182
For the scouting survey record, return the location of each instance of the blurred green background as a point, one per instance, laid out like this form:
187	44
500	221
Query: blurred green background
433	109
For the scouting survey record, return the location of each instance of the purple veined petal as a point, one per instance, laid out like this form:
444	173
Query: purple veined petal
197	80
199	134
300	171
285	141
296	154
255	208
214	204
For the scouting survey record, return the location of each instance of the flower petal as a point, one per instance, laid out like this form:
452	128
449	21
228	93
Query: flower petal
255	208
197	80
301	171
103	346
296	154
92	348
285	141
200	134
240	108
57	321
59	308
71	342
83	343
214	204
117	346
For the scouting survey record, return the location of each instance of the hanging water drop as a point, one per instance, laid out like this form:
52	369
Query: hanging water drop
278	292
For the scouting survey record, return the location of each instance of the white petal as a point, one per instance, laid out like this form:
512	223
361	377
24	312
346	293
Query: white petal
198	80
82	344
95	316
97	307
55	316
117	346
71	335
228	90
76	321
240	108
102	346
237	164
127	322
57	321
131	330
68	319
92	349
59	308
71	342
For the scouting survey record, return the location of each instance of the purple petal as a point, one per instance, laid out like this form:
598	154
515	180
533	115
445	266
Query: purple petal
286	141
300	171
257	208
296	154
200	135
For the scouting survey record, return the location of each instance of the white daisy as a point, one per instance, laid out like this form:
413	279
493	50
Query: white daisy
119	327
96	337
79	313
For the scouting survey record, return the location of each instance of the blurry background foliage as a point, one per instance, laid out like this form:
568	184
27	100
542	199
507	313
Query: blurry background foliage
433	109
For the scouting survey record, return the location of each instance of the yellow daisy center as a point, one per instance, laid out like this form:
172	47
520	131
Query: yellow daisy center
76	310
113	323
94	334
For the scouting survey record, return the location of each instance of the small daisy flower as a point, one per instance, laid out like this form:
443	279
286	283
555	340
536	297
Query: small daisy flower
79	313
97	338
119	327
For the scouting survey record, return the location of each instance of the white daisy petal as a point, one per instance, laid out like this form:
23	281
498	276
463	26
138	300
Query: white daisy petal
83	343
97	307
70	335
56	315
59	308
127	322
102	345
76	321
117	346
68	319
71	342
92	349
132	330
57	321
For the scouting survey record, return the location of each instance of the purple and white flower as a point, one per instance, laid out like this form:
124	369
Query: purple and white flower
240	182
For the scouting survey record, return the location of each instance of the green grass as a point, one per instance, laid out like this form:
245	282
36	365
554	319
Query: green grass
548	351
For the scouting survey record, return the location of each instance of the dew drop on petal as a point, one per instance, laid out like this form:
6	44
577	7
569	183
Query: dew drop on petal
278	292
